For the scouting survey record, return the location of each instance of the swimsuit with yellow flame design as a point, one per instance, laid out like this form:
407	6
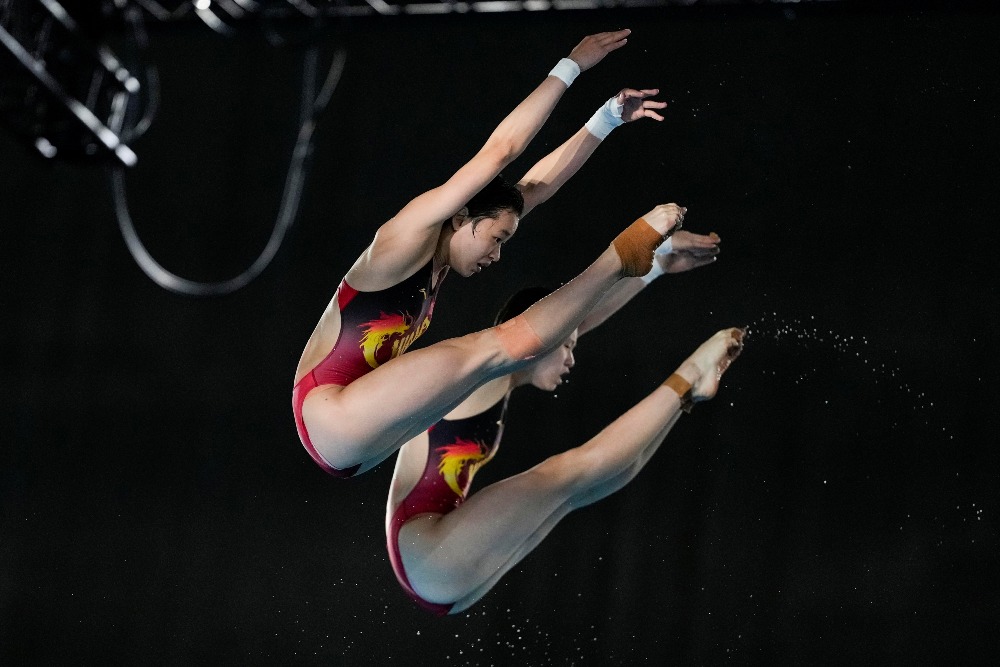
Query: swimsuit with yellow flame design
377	326
457	449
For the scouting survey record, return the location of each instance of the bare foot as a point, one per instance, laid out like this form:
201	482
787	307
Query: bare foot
705	367
636	246
666	218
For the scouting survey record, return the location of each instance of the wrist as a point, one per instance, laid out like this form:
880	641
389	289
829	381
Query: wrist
658	270
654	272
566	70
666	247
606	118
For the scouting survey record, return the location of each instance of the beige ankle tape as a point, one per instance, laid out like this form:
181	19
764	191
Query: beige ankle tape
682	388
518	339
635	246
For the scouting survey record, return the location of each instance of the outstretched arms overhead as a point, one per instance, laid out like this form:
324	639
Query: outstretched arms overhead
418	223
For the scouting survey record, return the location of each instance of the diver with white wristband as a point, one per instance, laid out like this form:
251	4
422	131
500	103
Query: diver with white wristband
358	392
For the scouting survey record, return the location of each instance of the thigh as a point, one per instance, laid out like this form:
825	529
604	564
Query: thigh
451	557
373	416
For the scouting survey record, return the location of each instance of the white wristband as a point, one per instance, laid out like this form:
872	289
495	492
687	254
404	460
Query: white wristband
654	272
566	70
664	249
605	119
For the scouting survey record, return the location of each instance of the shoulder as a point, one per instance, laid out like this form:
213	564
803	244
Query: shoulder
390	259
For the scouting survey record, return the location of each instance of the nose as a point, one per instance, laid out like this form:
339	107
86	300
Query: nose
495	254
570	361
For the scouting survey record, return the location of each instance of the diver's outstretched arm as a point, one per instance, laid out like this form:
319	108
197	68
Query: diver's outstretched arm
683	251
551	172
414	229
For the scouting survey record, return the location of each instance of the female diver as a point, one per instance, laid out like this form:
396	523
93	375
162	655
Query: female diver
352	408
448	548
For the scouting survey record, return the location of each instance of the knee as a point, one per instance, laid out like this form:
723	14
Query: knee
518	339
481	352
566	472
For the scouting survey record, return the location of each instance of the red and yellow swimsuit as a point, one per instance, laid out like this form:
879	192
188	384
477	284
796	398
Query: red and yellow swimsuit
374	328
457	448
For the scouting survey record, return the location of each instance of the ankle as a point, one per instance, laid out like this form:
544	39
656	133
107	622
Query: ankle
635	247
680	386
690	371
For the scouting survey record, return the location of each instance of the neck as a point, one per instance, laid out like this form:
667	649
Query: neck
442	256
520	378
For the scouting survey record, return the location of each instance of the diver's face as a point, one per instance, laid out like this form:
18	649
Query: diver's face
476	245
548	372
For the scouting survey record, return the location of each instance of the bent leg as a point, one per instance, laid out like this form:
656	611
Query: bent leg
366	421
458	557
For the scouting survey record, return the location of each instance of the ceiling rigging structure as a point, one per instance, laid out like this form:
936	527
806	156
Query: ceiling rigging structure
62	88
65	92
214	12
69	96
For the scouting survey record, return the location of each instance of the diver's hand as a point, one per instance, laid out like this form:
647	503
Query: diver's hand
689	251
593	48
635	105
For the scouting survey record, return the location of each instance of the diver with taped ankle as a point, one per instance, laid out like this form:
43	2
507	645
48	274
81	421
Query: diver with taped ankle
356	396
448	547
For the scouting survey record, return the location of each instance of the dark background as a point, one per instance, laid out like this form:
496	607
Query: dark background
836	503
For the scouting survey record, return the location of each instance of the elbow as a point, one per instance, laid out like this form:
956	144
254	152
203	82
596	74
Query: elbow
503	151
533	196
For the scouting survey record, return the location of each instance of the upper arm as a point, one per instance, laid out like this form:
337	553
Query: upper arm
428	210
551	172
409	238
507	141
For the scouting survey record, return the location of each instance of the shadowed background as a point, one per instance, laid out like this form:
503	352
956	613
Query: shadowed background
835	503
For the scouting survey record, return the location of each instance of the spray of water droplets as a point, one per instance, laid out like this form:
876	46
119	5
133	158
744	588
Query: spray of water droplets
854	349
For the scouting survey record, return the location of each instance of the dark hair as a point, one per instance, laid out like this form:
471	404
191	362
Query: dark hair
520	302
498	196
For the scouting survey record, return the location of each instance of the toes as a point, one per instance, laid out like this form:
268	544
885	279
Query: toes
737	343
